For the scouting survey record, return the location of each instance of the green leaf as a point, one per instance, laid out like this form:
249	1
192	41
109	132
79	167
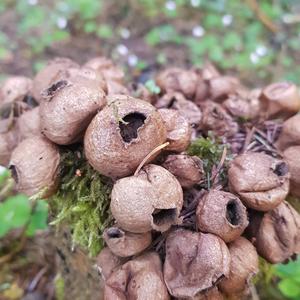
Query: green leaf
212	21
38	220
289	288
152	87
59	35
231	41
104	31
90	27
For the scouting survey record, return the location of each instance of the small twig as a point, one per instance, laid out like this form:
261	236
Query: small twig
248	139
36	279
220	166
155	150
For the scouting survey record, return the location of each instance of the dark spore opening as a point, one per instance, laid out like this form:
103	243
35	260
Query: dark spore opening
114	233
172	102
281	169
163	216
55	87
14	173
232	212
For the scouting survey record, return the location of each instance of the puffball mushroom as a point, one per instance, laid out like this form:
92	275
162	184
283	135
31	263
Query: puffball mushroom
178	80
122	135
29	123
194	262
138	279
261	181
222	214
211	294
123	243
179	130
35	165
281	99
278	236
14	89
68	108
44	78
188	109
150	200
292	156
187	169
243	266
8	141
290	133
216	119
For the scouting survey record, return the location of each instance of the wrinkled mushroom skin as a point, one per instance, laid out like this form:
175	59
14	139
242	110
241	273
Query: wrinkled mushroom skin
292	156
35	165
124	243
151	200
107	262
29	124
178	80
14	89
281	99
290	133
216	119
179	130
222	214
68	108
194	262
186	108
138	279
122	135
44	78
8	142
187	169
278	237
261	181
243	266
211	294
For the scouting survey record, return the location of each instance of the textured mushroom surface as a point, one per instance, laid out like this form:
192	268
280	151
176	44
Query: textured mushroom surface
243	266
29	123
35	165
151	200
261	181
8	142
122	135
138	279
194	262
222	214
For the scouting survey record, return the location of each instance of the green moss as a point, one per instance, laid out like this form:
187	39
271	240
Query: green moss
59	285
82	201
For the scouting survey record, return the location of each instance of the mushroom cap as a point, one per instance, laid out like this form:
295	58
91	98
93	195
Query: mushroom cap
187	169
194	262
216	119
179	130
292	156
68	108
124	243
211	294
222	214
261	181
29	123
188	109
122	135
44	78
8	142
290	133
138	279
278	237
243	266
35	165
178	80
281	99
151	200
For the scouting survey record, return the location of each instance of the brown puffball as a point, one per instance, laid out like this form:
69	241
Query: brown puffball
222	214
243	266
186	108
122	135
179	130
68	108
138	279
44	78
123	243
292	156
278	236
178	80
107	262
14	89
35	165
281	99
151	200
290	133
9	140
216	119
194	262
107	68
221	87
29	123
140	91
116	88
261	181
187	169
211	294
